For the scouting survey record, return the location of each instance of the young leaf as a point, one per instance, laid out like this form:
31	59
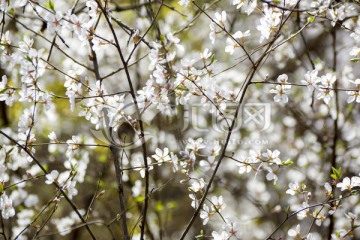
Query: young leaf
50	5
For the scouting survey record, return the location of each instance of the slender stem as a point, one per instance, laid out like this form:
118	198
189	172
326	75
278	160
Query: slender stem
3	233
118	173
303	209
241	99
141	135
72	204
336	131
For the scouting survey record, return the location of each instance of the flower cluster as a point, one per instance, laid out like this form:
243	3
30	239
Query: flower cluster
217	25
282	89
217	206
157	88
143	68
354	95
326	87
239	41
269	22
257	162
349	183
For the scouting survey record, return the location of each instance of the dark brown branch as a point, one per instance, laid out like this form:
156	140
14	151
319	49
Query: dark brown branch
142	135
120	190
243	90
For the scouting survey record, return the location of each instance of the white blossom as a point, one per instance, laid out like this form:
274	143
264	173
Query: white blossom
51	177
6	207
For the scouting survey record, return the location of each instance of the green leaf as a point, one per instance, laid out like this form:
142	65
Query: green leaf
181	88
12	12
287	210
287	163
311	19
212	59
201	236
336	173
50	5
28	59
339	172
2	91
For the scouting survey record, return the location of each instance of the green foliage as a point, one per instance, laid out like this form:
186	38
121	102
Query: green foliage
162	38
1	188
201	235
50	5
336	173
12	12
311	19
287	163
212	59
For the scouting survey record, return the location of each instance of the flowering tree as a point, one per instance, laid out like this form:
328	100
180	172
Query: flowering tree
184	119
